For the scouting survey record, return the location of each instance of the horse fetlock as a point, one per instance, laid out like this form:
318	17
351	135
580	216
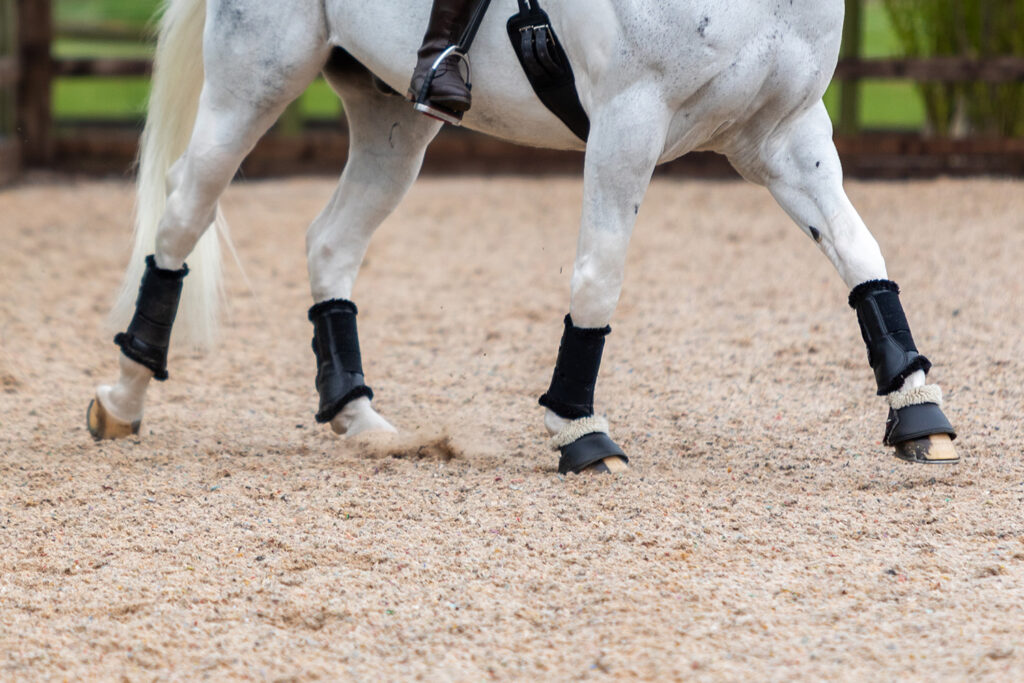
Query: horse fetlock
553	422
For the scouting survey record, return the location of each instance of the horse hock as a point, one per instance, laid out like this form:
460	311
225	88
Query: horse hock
339	364
916	427
584	443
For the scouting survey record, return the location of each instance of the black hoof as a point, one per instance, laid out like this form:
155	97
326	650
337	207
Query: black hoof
595	452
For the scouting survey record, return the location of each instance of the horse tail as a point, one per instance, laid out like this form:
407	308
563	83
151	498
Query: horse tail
173	103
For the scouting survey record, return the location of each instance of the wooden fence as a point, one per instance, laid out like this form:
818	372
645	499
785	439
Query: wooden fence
322	146
9	149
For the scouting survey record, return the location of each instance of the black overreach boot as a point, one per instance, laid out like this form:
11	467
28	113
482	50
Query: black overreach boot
442	92
149	335
339	364
915	416
584	443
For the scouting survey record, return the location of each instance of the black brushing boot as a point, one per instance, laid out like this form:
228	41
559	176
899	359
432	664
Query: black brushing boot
339	363
148	337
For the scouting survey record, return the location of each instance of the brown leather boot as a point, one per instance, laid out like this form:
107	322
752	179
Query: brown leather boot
448	91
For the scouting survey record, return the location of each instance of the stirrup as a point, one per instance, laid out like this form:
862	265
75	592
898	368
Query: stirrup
439	113
422	101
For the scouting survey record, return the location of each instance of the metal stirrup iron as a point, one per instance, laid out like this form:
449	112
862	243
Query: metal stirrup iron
422	104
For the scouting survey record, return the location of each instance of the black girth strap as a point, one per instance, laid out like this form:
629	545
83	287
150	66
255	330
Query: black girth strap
884	327
571	393
339	364
149	335
547	66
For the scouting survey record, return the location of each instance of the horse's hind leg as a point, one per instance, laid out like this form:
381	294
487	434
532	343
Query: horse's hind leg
801	168
387	143
241	99
626	139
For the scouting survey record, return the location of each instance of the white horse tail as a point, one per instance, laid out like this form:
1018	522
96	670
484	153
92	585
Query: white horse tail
173	102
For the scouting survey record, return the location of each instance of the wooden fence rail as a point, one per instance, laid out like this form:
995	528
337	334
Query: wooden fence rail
1009	69
103	146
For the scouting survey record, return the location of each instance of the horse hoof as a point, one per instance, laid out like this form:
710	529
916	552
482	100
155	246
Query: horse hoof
936	449
103	425
359	417
610	465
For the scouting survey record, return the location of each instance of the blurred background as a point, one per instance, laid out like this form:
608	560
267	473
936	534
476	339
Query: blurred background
924	87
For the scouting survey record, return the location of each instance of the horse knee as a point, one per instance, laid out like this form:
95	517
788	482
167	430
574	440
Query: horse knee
857	256
595	294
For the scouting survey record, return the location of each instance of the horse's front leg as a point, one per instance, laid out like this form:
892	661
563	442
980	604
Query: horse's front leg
627	137
801	168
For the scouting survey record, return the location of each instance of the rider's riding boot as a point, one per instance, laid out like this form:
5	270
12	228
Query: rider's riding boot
448	91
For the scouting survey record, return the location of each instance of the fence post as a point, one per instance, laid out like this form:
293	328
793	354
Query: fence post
849	90
35	115
10	161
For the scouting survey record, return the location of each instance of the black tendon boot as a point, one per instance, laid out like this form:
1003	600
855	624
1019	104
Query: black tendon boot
149	335
916	426
339	364
584	443
443	93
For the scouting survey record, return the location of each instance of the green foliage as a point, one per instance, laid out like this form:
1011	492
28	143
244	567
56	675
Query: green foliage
966	28
116	28
135	13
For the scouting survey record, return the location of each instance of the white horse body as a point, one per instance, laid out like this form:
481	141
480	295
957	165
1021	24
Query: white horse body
658	79
729	71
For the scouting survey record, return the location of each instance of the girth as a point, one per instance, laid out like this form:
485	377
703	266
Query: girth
547	66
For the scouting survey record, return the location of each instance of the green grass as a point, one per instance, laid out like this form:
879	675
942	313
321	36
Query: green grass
883	104
137	13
